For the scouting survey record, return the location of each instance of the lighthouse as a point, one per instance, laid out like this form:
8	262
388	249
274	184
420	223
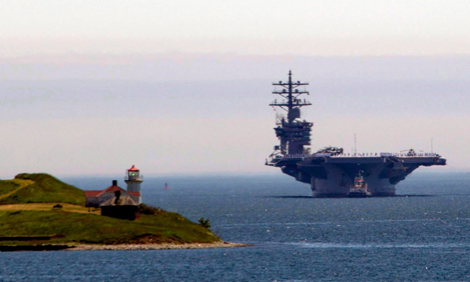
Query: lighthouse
133	181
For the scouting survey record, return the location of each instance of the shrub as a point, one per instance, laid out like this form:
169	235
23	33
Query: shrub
146	209
205	222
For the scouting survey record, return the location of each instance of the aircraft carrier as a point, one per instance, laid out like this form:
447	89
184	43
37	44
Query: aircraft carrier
329	171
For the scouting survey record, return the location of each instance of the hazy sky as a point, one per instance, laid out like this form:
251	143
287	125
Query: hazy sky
307	27
92	87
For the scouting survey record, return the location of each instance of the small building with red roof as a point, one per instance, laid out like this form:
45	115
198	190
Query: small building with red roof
95	198
121	206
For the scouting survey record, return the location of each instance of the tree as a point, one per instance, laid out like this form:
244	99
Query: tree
204	222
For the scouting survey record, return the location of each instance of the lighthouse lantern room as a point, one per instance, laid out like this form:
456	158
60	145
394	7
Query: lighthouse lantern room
133	181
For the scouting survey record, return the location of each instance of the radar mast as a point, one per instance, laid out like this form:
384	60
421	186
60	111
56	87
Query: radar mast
293	133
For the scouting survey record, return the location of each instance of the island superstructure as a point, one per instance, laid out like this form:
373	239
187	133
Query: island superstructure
330	172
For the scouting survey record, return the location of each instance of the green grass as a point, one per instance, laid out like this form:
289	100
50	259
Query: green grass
27	202
44	189
165	227
7	186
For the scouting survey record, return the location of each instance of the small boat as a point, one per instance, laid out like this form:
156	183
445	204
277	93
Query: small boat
359	188
166	186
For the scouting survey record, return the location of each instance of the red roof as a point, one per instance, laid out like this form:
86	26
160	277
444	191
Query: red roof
92	193
113	188
133	168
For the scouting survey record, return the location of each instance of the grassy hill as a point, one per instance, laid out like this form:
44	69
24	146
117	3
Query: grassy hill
39	188
27	209
80	228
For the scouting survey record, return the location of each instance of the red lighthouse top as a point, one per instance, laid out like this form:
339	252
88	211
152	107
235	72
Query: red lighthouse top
133	168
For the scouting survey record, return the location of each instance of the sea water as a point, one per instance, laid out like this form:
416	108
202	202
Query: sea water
420	235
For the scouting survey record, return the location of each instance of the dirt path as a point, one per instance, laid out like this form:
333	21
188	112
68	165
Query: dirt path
47	207
22	183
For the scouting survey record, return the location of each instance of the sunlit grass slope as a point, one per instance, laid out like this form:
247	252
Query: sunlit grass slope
39	188
165	227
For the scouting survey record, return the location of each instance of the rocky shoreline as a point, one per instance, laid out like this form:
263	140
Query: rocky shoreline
48	247
121	247
128	247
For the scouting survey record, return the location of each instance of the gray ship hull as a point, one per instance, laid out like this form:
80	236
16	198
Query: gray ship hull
330	172
333	176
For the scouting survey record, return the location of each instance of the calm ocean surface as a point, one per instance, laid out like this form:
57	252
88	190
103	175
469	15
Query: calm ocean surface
421	235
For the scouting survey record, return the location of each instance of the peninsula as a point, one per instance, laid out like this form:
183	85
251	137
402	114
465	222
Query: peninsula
40	212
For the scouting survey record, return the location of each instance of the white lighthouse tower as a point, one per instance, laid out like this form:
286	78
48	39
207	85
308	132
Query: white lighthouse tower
133	181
